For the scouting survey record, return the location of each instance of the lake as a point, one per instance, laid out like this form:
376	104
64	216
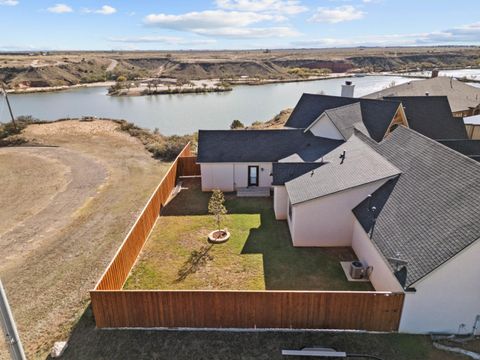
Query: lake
183	114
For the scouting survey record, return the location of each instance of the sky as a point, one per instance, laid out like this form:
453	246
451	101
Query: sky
30	25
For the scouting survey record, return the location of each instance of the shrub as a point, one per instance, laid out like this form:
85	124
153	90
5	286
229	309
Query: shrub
236	124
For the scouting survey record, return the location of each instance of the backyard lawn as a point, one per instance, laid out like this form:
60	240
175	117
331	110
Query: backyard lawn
258	255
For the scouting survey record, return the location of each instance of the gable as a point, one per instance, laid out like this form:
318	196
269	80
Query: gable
324	127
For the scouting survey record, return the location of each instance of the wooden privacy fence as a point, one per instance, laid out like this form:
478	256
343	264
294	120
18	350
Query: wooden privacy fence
114	307
187	166
248	309
119	268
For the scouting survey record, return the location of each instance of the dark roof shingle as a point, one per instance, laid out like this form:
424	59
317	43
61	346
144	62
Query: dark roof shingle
431	213
376	114
261	145
284	171
432	117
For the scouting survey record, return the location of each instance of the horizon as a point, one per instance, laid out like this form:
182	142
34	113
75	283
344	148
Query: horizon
216	25
20	52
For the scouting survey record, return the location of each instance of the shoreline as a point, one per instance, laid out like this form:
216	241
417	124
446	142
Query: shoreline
233	82
48	89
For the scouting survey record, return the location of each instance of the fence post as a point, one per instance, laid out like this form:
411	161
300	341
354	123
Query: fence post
9	329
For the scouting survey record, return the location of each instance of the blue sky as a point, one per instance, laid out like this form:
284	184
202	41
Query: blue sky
235	24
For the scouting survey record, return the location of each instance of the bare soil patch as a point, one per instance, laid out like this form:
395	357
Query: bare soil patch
64	210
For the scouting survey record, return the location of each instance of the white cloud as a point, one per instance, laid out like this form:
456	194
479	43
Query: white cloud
159	39
207	19
337	14
250	33
104	10
465	34
60	9
288	7
9	2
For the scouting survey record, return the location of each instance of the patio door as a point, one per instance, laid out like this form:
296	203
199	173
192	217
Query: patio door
253	176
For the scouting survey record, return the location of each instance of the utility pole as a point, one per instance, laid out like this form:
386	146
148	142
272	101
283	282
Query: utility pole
8	104
9	329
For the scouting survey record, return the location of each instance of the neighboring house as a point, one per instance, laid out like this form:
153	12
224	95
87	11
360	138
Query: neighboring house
463	98
353	174
472	124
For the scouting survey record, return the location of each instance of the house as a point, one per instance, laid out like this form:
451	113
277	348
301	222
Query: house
425	229
472	123
463	98
353	172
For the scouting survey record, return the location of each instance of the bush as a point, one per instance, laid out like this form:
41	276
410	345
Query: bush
236	124
165	148
170	148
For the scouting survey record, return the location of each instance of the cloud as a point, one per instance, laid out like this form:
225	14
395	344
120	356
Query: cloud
60	9
250	33
221	23
337	14
159	39
104	10
208	19
288	7
465	34
9	2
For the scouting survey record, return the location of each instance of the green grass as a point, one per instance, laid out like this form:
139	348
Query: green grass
258	256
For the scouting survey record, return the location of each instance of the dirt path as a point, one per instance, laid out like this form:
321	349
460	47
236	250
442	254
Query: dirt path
64	210
112	65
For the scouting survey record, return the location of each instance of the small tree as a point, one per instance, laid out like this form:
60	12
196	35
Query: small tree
236	124
216	207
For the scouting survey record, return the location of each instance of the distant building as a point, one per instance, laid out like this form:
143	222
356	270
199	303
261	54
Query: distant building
464	99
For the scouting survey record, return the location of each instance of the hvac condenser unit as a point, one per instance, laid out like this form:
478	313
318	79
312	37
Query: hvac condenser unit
357	270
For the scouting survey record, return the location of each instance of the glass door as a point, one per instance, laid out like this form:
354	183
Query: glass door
253	176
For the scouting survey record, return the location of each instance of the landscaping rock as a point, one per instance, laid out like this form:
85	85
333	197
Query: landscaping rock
58	349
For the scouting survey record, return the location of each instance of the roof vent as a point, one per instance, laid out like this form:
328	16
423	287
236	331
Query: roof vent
343	156
427	94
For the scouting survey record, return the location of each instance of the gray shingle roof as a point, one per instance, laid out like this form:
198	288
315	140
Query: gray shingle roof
432	211
432	117
346	119
283	171
470	148
460	95
376	114
260	145
362	165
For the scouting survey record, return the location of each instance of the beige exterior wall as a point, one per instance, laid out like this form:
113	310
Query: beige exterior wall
230	176
328	221
280	202
447	298
381	277
325	128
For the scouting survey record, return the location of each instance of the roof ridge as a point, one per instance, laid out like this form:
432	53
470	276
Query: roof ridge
343	106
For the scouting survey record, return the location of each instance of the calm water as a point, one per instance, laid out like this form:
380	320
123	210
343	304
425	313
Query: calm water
181	114
473	74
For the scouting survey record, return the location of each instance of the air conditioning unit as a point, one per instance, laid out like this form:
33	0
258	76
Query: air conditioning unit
358	270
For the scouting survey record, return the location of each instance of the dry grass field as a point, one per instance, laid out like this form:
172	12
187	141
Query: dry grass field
64	209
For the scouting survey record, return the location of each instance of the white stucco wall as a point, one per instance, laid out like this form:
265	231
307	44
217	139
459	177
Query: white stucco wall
230	176
280	202
328	221
446	298
325	128
381	277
